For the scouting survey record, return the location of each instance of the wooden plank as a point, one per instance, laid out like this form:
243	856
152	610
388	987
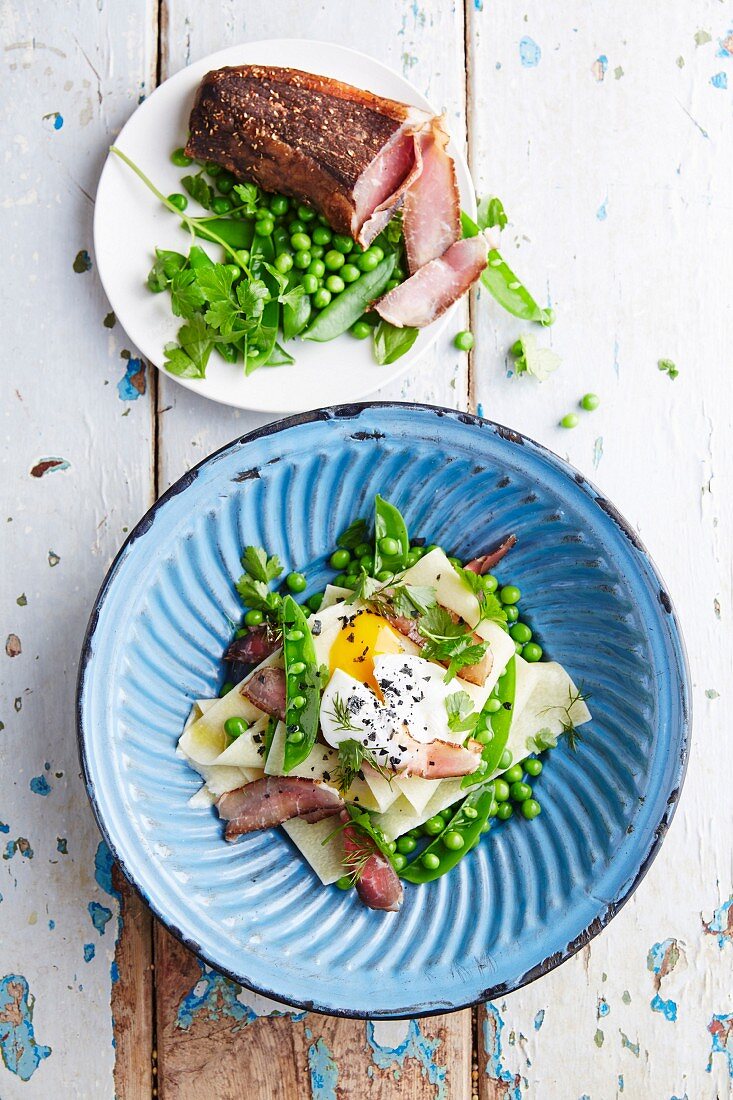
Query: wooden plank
290	1056
77	461
132	996
605	133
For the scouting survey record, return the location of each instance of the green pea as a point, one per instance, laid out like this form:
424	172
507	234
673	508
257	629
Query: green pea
531	809
501	790
389	546
235	727
179	201
366	561
512	613
433	825
214	169
321	235
470	812
406	844
361	330
344	883
297	227
350	273
296	582
342	243
302	259
321	298
295	736
310	283
221	205
363	548
225	688
520	632
225	183
505	759
532	652
317	251
391	285
514	774
570	420
505	811
447	813
317	268
334	260
300	242
368	260
493	808
430	861
489	583
510	594
412	558
392	845
339	559
314	602
305	213
520	792
453	841
378	252
533	766
294	636
297	668
335	284
418	550
398	272
180	159
243	257
432	546
385	575
416	833
279	205
233	270
399	861
253	617
463	340
340	580
265	227
298	702
284	263
493	705
483	736
590	402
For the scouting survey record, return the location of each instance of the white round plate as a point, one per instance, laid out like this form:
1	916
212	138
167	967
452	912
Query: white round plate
129	223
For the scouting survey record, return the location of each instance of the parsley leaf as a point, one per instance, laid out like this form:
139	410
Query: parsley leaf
259	566
451	643
668	367
248	195
179	363
491	213
198	189
252	297
216	282
186	294
461	715
539	362
355	533
165	267
411	600
190	359
490	608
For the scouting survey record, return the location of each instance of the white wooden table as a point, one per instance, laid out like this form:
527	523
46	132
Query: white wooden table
607	129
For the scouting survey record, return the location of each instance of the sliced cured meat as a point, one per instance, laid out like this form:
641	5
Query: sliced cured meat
430	291
273	799
431	214
344	150
486	562
254	646
436	759
266	691
376	880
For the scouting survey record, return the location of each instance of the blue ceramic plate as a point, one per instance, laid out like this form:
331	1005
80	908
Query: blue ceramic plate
532	893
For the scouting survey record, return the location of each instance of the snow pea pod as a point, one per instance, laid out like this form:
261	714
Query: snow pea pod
199	259
237	233
297	316
302	685
497	724
348	306
390	530
279	357
457	838
503	284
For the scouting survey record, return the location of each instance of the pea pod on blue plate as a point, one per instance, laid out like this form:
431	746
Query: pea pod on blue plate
348	306
391	540
302	685
497	725
455	841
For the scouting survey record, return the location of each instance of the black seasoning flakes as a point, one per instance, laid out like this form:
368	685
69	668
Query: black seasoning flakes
316	627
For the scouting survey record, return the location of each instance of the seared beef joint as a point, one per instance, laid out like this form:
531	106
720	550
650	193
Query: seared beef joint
349	153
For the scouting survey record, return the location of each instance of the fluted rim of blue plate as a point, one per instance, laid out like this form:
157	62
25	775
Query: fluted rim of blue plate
352	411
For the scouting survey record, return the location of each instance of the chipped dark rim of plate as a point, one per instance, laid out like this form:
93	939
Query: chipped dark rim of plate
511	436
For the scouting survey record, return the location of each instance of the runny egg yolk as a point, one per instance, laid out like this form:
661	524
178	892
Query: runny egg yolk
359	641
